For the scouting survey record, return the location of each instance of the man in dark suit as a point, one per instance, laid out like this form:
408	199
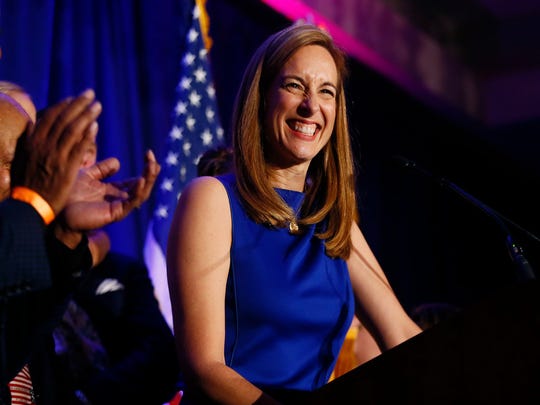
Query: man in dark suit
113	337
124	352
46	156
41	263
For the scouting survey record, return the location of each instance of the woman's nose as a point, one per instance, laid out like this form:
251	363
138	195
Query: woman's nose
310	104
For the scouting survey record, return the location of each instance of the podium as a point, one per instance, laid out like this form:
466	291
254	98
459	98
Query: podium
486	354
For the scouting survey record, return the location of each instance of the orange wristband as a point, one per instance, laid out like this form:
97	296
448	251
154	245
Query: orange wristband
35	200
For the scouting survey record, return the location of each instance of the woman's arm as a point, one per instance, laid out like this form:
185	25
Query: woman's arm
198	260
376	304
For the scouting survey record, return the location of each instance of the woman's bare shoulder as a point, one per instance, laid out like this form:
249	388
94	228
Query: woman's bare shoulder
204	188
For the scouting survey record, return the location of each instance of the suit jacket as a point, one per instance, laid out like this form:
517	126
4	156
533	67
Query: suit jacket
36	274
142	367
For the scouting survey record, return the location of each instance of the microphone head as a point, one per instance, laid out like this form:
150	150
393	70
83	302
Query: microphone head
405	163
402	161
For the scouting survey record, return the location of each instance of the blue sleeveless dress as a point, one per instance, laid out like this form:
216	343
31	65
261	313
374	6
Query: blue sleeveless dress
288	305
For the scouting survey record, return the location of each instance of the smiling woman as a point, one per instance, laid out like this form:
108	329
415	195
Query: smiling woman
266	68
267	265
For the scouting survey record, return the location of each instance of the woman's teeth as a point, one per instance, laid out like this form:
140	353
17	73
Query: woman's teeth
305	129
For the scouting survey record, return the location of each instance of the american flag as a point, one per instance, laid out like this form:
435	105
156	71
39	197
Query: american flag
195	129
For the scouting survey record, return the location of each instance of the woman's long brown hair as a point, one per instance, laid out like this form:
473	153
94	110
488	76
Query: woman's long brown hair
330	185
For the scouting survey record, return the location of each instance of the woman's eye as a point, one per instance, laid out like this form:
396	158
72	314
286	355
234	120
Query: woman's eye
328	92
293	86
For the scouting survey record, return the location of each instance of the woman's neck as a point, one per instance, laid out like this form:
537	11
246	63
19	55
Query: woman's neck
291	178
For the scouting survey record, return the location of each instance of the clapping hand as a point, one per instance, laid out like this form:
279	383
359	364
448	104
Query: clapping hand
49	154
94	203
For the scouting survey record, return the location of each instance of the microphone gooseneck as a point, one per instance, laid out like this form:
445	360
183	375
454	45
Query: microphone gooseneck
525	271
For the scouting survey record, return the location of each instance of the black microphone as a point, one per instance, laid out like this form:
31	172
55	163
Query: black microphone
525	271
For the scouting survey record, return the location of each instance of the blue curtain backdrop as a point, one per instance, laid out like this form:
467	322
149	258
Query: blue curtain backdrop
128	51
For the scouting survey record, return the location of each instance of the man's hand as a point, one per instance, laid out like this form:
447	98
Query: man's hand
94	203
140	188
49	154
